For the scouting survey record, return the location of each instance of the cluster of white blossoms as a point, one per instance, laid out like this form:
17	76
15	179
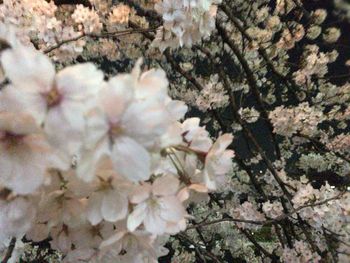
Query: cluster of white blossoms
101	167
314	63
332	215
340	143
302	118
36	24
273	209
301	253
212	96
106	168
119	15
248	211
66	30
185	22
87	19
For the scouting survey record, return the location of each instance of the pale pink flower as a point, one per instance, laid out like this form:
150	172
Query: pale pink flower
109	201
157	206
137	246
25	153
134	113
196	137
218	162
57	101
16	217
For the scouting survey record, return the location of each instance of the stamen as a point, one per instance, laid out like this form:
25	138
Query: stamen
53	98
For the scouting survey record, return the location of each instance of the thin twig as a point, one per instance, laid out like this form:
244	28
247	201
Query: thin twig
323	147
267	222
252	82
102	35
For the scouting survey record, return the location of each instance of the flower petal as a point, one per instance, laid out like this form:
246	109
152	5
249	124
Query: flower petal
114	206
171	209
130	159
93	211
154	223
79	81
136	217
165	185
28	69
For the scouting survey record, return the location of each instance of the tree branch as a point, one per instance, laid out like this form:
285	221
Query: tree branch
252	84
9	251
199	248
101	35
266	222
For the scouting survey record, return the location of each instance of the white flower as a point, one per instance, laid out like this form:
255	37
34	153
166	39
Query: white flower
16	217
25	153
134	114
218	161
58	101
157	206
129	247
109	201
185	22
195	136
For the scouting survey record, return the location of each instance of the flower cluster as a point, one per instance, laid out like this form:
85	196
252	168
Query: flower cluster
36	24
303	119
88	20
332	215
340	143
301	253
247	211
273	209
119	15
101	167
185	22
213	96
315	63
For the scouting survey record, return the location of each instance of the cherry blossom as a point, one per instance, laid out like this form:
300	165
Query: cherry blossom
51	98
25	153
218	162
157	206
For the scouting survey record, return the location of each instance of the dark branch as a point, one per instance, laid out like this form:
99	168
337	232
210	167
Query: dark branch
9	251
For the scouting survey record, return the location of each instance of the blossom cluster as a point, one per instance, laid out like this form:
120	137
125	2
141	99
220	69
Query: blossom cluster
88	20
315	64
301	253
303	119
36	24
213	96
332	215
60	29
105	167
101	167
185	22
64	31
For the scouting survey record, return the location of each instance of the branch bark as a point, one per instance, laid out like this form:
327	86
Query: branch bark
9	251
101	35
